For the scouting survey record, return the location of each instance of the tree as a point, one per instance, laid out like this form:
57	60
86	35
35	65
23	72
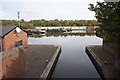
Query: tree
55	22
27	25
22	20
108	17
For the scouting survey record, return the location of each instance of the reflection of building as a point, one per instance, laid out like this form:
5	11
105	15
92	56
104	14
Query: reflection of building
12	37
90	29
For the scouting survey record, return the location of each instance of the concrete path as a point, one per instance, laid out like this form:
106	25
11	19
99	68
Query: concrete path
36	56
104	61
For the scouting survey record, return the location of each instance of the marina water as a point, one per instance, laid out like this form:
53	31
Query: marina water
73	61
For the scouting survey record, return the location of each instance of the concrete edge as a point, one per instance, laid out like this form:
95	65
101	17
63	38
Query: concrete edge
95	60
48	70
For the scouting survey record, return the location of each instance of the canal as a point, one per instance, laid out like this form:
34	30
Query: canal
73	61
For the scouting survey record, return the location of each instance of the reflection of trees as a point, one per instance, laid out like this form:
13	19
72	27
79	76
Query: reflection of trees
61	35
36	36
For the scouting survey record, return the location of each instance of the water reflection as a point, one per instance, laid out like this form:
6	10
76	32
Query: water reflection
61	35
73	61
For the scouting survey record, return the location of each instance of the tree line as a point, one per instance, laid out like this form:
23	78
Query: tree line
48	23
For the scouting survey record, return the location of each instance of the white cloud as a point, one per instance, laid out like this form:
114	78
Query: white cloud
51	9
0	9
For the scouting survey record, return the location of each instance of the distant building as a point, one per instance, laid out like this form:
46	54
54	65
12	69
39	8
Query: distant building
12	37
90	29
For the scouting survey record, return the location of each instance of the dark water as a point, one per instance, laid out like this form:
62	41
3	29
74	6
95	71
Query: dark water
73	61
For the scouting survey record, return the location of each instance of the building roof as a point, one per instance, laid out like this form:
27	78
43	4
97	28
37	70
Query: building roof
0	46
5	30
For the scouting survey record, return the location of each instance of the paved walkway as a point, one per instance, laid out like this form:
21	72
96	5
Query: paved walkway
105	60
36	56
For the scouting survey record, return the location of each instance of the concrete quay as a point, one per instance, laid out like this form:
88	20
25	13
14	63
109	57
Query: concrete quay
40	61
104	62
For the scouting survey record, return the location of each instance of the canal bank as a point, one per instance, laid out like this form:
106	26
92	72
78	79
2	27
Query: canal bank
40	60
103	61
73	62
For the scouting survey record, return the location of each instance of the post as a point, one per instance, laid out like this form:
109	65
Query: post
18	19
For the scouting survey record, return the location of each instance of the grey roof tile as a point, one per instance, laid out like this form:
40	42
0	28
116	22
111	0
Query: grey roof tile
5	29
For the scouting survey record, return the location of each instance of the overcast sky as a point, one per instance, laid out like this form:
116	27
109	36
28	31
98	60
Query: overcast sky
46	9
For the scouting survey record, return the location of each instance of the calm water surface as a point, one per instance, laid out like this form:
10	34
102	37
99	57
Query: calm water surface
73	61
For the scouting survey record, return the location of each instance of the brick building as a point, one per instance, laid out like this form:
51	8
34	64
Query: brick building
12	57
12	37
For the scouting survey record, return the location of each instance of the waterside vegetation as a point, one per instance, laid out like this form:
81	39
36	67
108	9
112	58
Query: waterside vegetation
48	23
108	17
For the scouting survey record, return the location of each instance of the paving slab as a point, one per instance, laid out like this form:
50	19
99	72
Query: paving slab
104	62
36	56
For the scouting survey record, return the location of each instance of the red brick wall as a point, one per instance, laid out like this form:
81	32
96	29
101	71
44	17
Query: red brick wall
10	39
13	62
0	66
